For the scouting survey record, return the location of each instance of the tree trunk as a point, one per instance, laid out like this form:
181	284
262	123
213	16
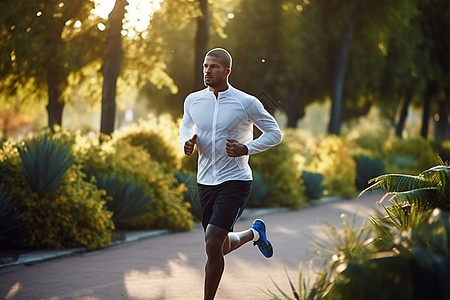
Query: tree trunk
425	117
201	44
403	115
442	129
55	106
111	67
294	108
427	98
273	40
334	126
55	74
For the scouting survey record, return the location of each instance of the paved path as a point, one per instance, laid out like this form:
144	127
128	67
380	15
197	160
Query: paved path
170	266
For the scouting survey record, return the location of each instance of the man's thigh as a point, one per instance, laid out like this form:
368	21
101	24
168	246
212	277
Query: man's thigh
223	204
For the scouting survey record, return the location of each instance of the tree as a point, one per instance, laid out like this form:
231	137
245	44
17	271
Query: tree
255	42
111	66
341	68
401	81
175	27
42	43
201	42
435	25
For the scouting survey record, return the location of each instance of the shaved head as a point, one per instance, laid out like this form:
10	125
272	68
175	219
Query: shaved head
223	55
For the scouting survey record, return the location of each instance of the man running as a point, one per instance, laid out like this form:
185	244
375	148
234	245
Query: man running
219	120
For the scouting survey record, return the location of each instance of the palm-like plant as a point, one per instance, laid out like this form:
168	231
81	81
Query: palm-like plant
430	189
410	245
44	163
129	199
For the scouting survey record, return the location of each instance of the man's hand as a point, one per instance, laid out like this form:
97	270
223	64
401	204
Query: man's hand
235	149
190	144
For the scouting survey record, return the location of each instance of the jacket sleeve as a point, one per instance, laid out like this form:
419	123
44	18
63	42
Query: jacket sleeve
271	133
187	127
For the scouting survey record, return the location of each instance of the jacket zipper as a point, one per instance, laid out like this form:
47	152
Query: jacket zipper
216	111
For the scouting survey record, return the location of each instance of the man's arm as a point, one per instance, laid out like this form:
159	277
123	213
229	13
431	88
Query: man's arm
188	138
266	123
235	149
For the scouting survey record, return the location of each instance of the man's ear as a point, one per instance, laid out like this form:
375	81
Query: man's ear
228	70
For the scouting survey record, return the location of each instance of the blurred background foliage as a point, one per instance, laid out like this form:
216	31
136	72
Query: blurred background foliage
359	88
64	189
352	58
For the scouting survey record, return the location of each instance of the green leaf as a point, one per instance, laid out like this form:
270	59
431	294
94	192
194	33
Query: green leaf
129	200
44	163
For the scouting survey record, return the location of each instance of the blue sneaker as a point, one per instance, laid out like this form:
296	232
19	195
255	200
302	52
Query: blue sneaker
263	244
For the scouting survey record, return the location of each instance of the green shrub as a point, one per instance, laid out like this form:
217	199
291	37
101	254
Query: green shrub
258	192
409	264
12	180
313	183
153	143
189	162
420	260
408	244
332	159
159	137
70	214
443	149
366	169
10	171
73	216
9	214
44	162
408	156
128	200
302	146
280	171
369	133
126	162
371	142
189	179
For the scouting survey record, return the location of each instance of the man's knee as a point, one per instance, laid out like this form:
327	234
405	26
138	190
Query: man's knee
214	245
214	240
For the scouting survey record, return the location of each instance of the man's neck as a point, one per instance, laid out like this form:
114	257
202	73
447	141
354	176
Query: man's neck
216	90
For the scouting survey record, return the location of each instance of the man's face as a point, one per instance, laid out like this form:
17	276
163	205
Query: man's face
214	72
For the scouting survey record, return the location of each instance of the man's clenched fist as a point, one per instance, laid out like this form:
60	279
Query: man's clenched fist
189	145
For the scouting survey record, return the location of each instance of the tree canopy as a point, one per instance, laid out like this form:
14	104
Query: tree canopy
356	54
42	43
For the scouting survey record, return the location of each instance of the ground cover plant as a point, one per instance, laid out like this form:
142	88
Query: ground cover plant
406	250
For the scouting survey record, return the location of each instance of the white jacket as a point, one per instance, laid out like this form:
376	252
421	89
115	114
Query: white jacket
230	116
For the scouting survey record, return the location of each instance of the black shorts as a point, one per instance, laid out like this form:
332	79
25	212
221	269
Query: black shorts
223	204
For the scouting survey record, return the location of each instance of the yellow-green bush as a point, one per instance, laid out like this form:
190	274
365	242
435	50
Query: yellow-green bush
368	133
331	157
71	216
280	170
300	142
409	155
189	162
159	138
126	162
9	213
74	216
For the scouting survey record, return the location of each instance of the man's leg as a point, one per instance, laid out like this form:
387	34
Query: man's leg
235	240
215	264
220	242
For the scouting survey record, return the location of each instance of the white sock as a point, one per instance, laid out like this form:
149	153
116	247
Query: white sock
255	234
